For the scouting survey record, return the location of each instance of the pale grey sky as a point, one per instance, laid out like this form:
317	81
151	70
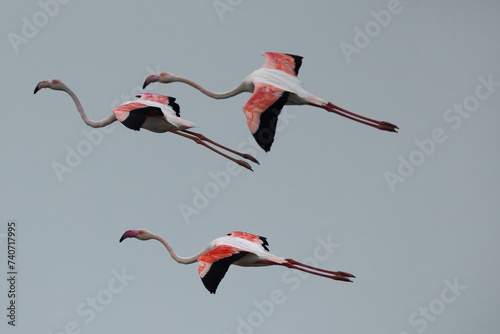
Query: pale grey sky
413	215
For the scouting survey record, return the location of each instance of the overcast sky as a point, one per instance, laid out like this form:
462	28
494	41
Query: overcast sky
413	215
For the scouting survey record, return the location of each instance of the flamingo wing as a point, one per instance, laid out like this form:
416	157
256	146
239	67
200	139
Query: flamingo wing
162	99
262	111
134	114
214	264
262	241
282	61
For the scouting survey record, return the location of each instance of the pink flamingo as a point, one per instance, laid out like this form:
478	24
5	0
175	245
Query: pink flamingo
272	86
153	112
239	248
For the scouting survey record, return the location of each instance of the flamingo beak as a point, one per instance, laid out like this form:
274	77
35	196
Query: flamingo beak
150	79
40	85
129	234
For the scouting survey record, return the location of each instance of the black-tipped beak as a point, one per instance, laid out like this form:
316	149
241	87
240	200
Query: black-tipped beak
36	89
150	79
129	234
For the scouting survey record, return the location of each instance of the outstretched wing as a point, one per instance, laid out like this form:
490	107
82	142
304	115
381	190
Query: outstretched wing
214	264
283	61
262	111
134	114
162	99
262	241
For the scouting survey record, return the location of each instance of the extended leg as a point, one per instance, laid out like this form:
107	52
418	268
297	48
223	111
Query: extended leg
199	141
358	118
336	275
202	137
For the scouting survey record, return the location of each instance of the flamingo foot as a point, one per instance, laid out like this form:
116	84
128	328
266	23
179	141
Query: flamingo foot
341	273
251	158
386	126
244	164
336	275
341	278
201	137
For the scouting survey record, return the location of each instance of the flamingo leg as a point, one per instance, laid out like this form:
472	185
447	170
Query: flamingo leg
202	137
201	142
336	275
385	126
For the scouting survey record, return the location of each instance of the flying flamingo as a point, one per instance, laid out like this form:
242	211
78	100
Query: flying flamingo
153	112
272	86
239	248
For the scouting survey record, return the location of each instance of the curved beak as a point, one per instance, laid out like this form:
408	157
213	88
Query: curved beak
37	88
150	79
40	85
129	234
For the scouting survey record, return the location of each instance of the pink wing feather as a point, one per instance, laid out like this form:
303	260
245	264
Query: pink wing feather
262	241
123	111
153	97
262	111
214	264
283	62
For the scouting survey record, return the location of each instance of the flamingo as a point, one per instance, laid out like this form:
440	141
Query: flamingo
272	86
153	112
239	248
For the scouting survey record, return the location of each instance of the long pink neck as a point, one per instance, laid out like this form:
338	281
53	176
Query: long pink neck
180	259
242	87
95	124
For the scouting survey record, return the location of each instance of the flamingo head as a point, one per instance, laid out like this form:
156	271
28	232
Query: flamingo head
54	84
163	77
138	234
